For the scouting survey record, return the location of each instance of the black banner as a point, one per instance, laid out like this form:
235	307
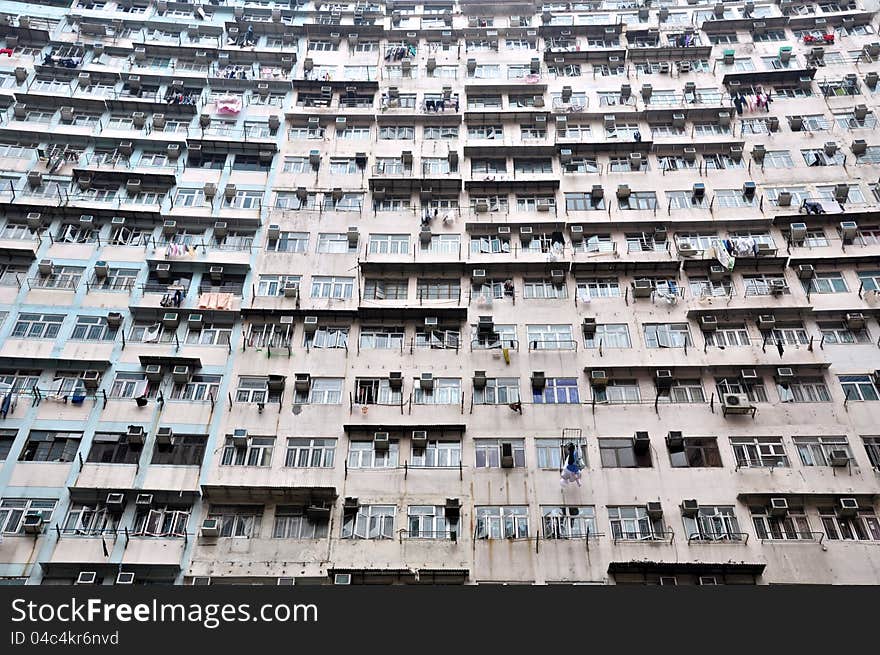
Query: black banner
393	619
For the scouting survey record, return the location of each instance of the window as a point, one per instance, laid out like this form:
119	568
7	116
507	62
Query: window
837	333
185	450
322	391
759	452
245	199
569	522
242	521
870	280
755	391
858	387
376	391
621	453
89	520
609	335
447	391
502	523
130	385
872	447
440	132
442	244
112	448
489	452
92	328
437	454
13	511
618	392
862	527
258	452
667	335
794	526
294	523
273	285
631	523
339	288
199	389
683	391
427	522
297	242
544	289
778	159
396	132
369	522
326	337
427	289
7	438
817	451
161	521
381	338
118	279
638	200
825	282
310	453
695	452
189	198
712	524
803	390
551	453
296	165
37	326
549	337
46	446
557	391
498	391
254	390
731	198
389	244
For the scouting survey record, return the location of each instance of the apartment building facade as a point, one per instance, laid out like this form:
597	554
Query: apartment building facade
316	293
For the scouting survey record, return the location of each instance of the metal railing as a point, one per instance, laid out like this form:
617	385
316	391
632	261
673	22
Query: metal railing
719	537
625	537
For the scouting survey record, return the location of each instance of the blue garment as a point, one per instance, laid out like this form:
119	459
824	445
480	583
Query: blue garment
7	402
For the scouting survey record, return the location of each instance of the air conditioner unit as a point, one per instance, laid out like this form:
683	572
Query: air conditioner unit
170	319
216	273
169	228
342	578
736	403
539	380
353	236
686	249
766	322
848	229
506	455
419	438
210	528
163	271
240	438
310	324
664	378
381	441
115	502
195	321
623	191
859	147
717	273
180	374
210	188
91	379
674	440
125	577
87	577
479	274
798	232
848	507
778	507
46	267
135	434
164	436
431	321
557	276
805	271
426	382
143	500
291	291
784	374
34	220
598	377
153	372
654	509
101	269
690	507
642	288
855	321
838	458
641	442
302	382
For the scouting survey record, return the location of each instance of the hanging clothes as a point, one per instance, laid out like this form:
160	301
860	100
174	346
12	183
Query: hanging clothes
7	403
572	471
724	258
780	347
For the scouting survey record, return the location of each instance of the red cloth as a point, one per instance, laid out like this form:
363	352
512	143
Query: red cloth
6	51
